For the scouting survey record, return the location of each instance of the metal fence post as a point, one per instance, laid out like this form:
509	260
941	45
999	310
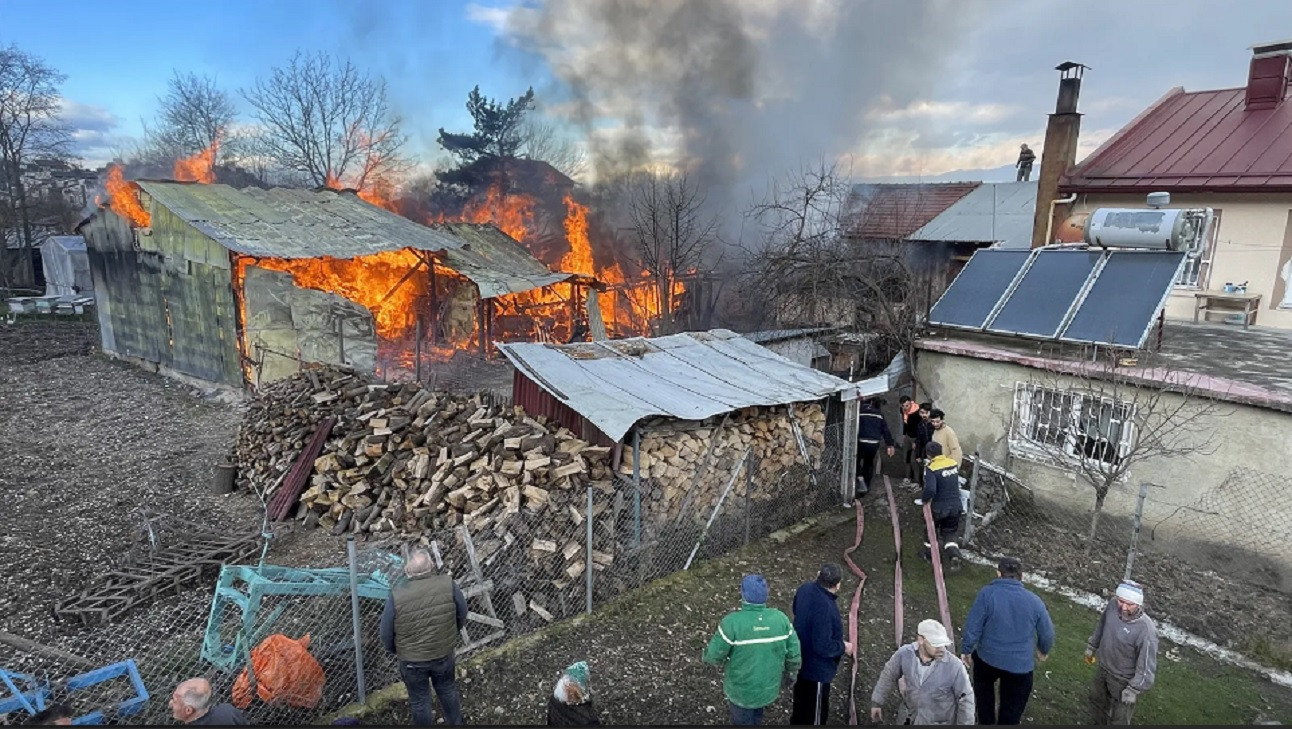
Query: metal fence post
749	486
588	559
354	615
973	494
637	487
1135	529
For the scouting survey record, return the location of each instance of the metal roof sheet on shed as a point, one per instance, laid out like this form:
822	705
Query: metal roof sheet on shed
293	223
999	212
690	376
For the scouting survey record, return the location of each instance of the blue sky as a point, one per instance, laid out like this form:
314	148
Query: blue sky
985	79
119	55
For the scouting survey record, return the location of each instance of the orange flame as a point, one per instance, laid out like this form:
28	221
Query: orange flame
198	168
124	199
579	259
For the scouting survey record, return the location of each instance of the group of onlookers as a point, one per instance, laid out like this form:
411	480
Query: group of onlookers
1007	631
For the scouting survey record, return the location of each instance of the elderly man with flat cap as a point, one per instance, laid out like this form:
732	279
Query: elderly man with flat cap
1124	645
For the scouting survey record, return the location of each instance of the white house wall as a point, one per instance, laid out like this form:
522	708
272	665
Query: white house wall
978	397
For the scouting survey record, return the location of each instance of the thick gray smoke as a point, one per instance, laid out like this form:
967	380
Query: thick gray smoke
736	91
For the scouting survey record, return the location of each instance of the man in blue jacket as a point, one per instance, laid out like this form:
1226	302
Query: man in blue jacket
1007	629
871	429
820	630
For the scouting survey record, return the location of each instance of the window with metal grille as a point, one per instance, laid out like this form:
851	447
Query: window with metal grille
1068	426
1194	273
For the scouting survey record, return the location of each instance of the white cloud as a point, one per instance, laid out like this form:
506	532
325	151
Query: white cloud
946	112
499	19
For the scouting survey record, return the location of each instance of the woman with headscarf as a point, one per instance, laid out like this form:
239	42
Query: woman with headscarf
571	701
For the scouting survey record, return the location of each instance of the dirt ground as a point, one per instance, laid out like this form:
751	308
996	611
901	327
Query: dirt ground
89	443
644	649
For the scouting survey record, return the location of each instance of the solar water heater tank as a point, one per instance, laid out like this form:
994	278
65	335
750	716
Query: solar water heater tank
1163	229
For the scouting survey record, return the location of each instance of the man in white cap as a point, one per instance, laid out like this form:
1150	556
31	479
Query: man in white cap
938	690
1124	645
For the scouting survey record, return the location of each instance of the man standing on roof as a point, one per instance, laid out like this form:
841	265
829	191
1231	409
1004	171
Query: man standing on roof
937	684
1124	645
756	646
871	427
1024	164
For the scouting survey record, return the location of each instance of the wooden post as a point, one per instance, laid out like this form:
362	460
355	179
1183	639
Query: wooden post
480	317
637	487
973	495
434	295
417	348
1135	529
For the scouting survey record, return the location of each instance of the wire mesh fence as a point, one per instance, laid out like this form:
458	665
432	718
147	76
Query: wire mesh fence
292	644
1213	562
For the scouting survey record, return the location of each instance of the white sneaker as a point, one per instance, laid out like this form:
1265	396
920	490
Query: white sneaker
919	502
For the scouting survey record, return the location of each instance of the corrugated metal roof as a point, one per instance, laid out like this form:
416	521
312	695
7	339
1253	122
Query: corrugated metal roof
895	210
1000	212
691	376
293	223
776	335
1194	142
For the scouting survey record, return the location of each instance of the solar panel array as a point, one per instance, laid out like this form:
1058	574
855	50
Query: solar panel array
1082	295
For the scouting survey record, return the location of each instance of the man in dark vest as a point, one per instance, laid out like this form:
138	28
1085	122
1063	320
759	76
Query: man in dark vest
420	626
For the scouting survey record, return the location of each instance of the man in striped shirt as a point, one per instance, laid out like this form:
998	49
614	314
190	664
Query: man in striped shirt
756	646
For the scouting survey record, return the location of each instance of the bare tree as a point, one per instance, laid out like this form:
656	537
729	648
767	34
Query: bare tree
328	121
671	230
1102	418
30	128
808	266
543	140
194	115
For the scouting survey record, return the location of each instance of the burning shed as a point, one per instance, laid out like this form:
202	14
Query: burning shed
685	404
243	285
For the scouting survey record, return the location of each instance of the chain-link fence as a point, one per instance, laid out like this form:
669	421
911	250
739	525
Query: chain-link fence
280	642
1215	564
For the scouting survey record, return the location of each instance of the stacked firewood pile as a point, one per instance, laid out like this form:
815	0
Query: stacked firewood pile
404	459
687	468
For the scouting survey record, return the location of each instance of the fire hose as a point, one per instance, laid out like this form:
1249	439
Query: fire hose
936	551
852	611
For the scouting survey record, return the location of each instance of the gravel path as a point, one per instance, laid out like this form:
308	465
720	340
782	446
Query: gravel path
88	444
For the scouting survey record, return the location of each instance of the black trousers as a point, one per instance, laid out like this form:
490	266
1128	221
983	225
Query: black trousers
1015	690
866	453
811	703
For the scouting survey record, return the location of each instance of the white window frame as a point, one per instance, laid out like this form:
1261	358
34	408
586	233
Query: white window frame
1193	276
1045	424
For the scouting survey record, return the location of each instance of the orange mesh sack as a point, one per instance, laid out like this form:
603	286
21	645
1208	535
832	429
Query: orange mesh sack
285	672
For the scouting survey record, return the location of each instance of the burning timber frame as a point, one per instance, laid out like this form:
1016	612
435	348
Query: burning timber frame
204	281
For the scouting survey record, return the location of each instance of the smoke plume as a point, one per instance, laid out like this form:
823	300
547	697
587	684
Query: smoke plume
735	91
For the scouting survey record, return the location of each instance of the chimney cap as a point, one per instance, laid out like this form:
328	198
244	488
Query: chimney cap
1271	48
1069	65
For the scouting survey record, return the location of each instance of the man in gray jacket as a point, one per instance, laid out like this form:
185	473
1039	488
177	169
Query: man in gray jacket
1124	645
420	626
937	685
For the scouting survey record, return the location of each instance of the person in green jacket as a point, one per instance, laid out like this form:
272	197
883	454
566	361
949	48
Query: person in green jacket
757	646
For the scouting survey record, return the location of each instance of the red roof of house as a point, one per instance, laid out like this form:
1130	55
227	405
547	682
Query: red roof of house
895	210
1201	141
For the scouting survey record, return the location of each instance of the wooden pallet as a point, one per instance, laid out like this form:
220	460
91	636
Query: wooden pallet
166	571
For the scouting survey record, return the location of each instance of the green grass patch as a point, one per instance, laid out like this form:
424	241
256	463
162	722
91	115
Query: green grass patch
1191	687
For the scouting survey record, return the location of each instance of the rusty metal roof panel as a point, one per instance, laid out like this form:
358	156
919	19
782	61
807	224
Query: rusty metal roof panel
690	376
296	223
895	210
